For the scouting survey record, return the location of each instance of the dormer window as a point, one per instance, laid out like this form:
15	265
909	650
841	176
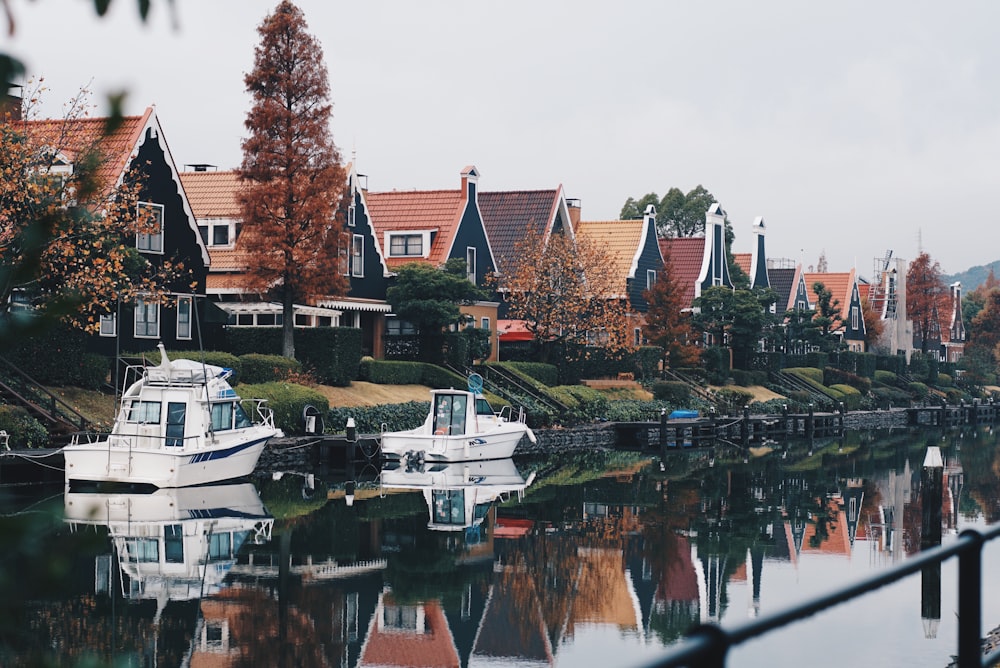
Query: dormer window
150	238
470	264
408	244
350	216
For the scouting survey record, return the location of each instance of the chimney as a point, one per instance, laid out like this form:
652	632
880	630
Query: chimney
470	177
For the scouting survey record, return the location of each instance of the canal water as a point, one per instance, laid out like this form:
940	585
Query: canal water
601	559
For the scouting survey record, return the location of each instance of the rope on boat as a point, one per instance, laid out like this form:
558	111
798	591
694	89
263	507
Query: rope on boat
296	447
34	459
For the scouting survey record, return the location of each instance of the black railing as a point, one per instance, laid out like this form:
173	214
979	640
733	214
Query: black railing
708	645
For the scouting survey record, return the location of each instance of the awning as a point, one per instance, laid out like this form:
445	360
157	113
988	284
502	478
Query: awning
514	330
274	308
353	305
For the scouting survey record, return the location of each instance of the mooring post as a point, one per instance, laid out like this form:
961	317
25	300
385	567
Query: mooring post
810	421
842	411
746	425
784	417
931	484
352	439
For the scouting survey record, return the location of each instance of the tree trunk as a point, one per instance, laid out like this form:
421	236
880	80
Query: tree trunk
288	326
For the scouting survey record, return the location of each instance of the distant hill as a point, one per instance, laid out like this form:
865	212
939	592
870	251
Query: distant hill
973	277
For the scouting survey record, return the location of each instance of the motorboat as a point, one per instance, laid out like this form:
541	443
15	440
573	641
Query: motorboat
460	426
458	494
180	423
173	544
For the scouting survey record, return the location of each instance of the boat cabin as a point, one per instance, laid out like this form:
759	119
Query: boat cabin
454	411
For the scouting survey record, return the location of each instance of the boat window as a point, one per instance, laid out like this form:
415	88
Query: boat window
449	414
242	419
142	549
222	417
219	546
483	407
144	412
449	506
175	424
173	544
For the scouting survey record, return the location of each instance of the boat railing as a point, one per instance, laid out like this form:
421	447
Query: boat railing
506	414
131	441
264	412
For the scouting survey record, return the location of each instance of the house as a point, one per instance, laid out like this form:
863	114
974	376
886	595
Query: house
846	294
138	143
433	226
947	336
788	281
634	256
699	263
888	299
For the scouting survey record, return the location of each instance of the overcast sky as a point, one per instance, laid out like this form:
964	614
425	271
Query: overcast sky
851	127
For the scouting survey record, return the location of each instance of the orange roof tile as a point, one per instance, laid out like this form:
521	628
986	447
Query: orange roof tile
212	194
684	256
743	261
437	210
70	138
839	284
620	239
399	647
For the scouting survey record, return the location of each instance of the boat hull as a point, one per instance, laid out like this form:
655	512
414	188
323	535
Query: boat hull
498	444
103	461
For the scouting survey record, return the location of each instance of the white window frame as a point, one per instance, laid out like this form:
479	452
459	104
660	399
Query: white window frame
854	317
470	264
650	278
190	315
108	325
357	257
145	309
484	322
425	242
151	243
351	215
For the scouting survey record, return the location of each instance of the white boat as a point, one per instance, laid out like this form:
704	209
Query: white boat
179	424
458	494
173	544
460	426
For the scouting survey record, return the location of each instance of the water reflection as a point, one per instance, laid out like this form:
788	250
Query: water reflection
586	560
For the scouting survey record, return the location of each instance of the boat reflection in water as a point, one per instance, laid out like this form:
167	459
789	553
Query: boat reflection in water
174	544
460	494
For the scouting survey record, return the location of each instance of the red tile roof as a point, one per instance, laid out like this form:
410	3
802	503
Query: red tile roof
684	255
839	284
510	215
430	649
620	239
437	210
212	194
743	261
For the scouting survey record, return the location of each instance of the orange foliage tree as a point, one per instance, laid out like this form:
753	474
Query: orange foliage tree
67	235
567	293
667	326
924	289
292	171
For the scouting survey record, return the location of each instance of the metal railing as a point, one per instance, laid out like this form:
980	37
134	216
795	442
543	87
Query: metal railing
708	645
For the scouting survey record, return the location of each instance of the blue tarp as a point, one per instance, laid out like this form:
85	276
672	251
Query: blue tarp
683	415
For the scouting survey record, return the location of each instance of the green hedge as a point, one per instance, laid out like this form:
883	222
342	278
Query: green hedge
849	395
369	419
944	380
886	377
258	368
813	374
387	372
745	378
23	431
58	356
547	374
286	400
673	391
834	376
733	399
332	354
647	361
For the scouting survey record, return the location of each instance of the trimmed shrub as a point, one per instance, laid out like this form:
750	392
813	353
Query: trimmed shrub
385	372
57	356
259	368
813	374
886	397
917	389
833	376
886	377
591	403
733	399
671	390
23	431
332	354
850	396
369	419
716	361
647	361
944	380
286	400
546	374
747	378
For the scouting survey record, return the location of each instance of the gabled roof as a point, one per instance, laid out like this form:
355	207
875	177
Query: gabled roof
621	240
212	194
743	261
685	256
839	284
783	283
439	211
510	215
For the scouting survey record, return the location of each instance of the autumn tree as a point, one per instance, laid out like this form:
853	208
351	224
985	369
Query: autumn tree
924	290
68	237
828	314
567	293
667	324
292	171
430	298
874	324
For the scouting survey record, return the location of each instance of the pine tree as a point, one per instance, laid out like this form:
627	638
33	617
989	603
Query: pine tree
292	170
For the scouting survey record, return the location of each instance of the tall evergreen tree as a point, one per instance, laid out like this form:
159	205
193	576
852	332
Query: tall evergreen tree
292	170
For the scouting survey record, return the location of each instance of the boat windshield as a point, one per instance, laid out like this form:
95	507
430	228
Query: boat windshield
144	412
483	407
449	414
448	506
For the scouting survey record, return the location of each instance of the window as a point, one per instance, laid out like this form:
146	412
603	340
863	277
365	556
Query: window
173	544
109	325
147	319
397	327
176	412
144	412
19	300
350	216
358	255
650	278
638	336
448	506
151	222
222	417
203	231
470	264
854	317
484	323
184	317
220	235
406	245
142	550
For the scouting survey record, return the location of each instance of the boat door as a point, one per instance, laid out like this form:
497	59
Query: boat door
449	414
